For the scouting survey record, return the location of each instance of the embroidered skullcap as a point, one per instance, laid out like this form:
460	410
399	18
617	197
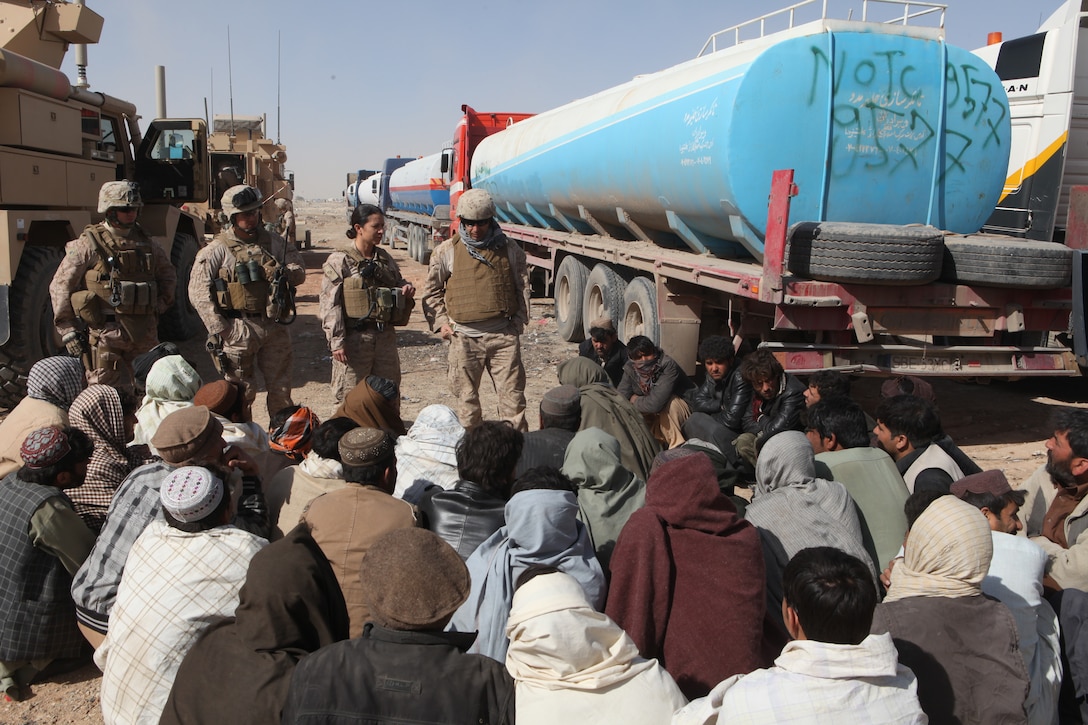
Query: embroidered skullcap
602	323
413	580
185	432
991	482
191	493
366	447
45	447
562	400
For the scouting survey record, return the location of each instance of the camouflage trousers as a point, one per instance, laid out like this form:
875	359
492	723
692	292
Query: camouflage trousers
112	352
266	346
500	355
369	352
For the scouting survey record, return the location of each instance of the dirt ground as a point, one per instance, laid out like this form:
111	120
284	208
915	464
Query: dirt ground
1001	425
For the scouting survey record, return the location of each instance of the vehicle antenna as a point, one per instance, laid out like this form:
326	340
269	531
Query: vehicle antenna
230	83
278	57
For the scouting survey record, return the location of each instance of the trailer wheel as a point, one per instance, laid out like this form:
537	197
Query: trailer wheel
603	297
30	311
424	246
412	251
640	311
1005	262
570	288
882	253
181	321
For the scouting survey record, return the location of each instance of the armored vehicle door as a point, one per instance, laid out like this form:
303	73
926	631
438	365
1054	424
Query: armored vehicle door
171	163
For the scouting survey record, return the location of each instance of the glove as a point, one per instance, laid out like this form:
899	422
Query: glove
75	343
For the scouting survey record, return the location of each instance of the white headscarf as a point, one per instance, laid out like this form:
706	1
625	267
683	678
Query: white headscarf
426	456
171	384
947	554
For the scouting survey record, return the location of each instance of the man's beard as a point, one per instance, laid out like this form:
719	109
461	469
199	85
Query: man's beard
1060	474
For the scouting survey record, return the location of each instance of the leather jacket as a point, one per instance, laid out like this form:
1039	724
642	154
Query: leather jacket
723	400
775	416
462	517
613	367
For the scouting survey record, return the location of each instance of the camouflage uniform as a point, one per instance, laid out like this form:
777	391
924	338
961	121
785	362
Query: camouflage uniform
250	339
371	347
493	344
114	339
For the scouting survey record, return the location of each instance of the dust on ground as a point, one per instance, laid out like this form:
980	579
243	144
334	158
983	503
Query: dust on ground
1000	425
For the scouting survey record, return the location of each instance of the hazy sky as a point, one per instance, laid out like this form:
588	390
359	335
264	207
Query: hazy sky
364	81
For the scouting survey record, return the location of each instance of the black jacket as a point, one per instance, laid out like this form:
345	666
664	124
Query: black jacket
463	517
544	447
774	416
613	367
392	676
723	400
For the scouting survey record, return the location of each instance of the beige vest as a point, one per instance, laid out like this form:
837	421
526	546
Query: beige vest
933	457
476	292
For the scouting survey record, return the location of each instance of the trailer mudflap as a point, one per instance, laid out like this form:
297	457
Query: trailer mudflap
1077	319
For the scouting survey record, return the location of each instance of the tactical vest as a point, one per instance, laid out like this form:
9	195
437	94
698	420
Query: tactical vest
121	281
370	293
254	263
476	292
37	615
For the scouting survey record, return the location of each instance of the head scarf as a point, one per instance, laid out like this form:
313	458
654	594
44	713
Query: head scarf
947	554
295	437
559	641
57	380
604	408
240	670
97	412
427	455
171	384
542	528
370	409
607	492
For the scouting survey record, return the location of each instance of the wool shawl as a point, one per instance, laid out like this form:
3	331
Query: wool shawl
604	408
688	579
171	384
542	528
57	380
427	455
607	492
370	409
240	670
572	663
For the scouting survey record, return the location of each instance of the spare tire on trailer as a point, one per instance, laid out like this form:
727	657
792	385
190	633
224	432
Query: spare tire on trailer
30	315
1000	261
866	253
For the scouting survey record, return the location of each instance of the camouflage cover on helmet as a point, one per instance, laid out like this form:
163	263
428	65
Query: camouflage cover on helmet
475	204
119	194
240	198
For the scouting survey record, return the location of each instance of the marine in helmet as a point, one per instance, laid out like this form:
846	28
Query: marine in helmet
285	220
111	287
363	296
477	298
231	289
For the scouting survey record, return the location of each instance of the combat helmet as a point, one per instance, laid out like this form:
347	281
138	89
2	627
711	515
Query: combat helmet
475	204
239	199
115	194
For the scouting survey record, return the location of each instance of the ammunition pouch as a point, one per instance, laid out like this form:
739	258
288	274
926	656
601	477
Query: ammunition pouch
251	298
88	307
380	304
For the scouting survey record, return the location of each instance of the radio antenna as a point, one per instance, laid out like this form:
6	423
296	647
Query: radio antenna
278	87
230	83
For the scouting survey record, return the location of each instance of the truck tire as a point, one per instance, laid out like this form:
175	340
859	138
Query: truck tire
603	297
640	311
424	246
30	311
870	253
181	321
570	289
413	246
1006	262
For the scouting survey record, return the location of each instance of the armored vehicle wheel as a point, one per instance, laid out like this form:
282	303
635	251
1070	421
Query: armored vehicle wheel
1005	262
181	321
30	312
869	253
640	311
604	296
570	288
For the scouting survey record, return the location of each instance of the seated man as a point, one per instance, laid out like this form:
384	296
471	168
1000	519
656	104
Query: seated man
473	510
719	401
560	417
1015	578
824	384
604	348
774	401
906	427
833	671
655	384
404	668
43	543
1056	506
836	429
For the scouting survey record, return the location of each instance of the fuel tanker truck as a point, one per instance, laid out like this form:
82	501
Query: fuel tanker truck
58	144
818	190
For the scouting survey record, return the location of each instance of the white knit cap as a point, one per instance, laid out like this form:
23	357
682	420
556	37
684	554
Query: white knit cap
191	493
